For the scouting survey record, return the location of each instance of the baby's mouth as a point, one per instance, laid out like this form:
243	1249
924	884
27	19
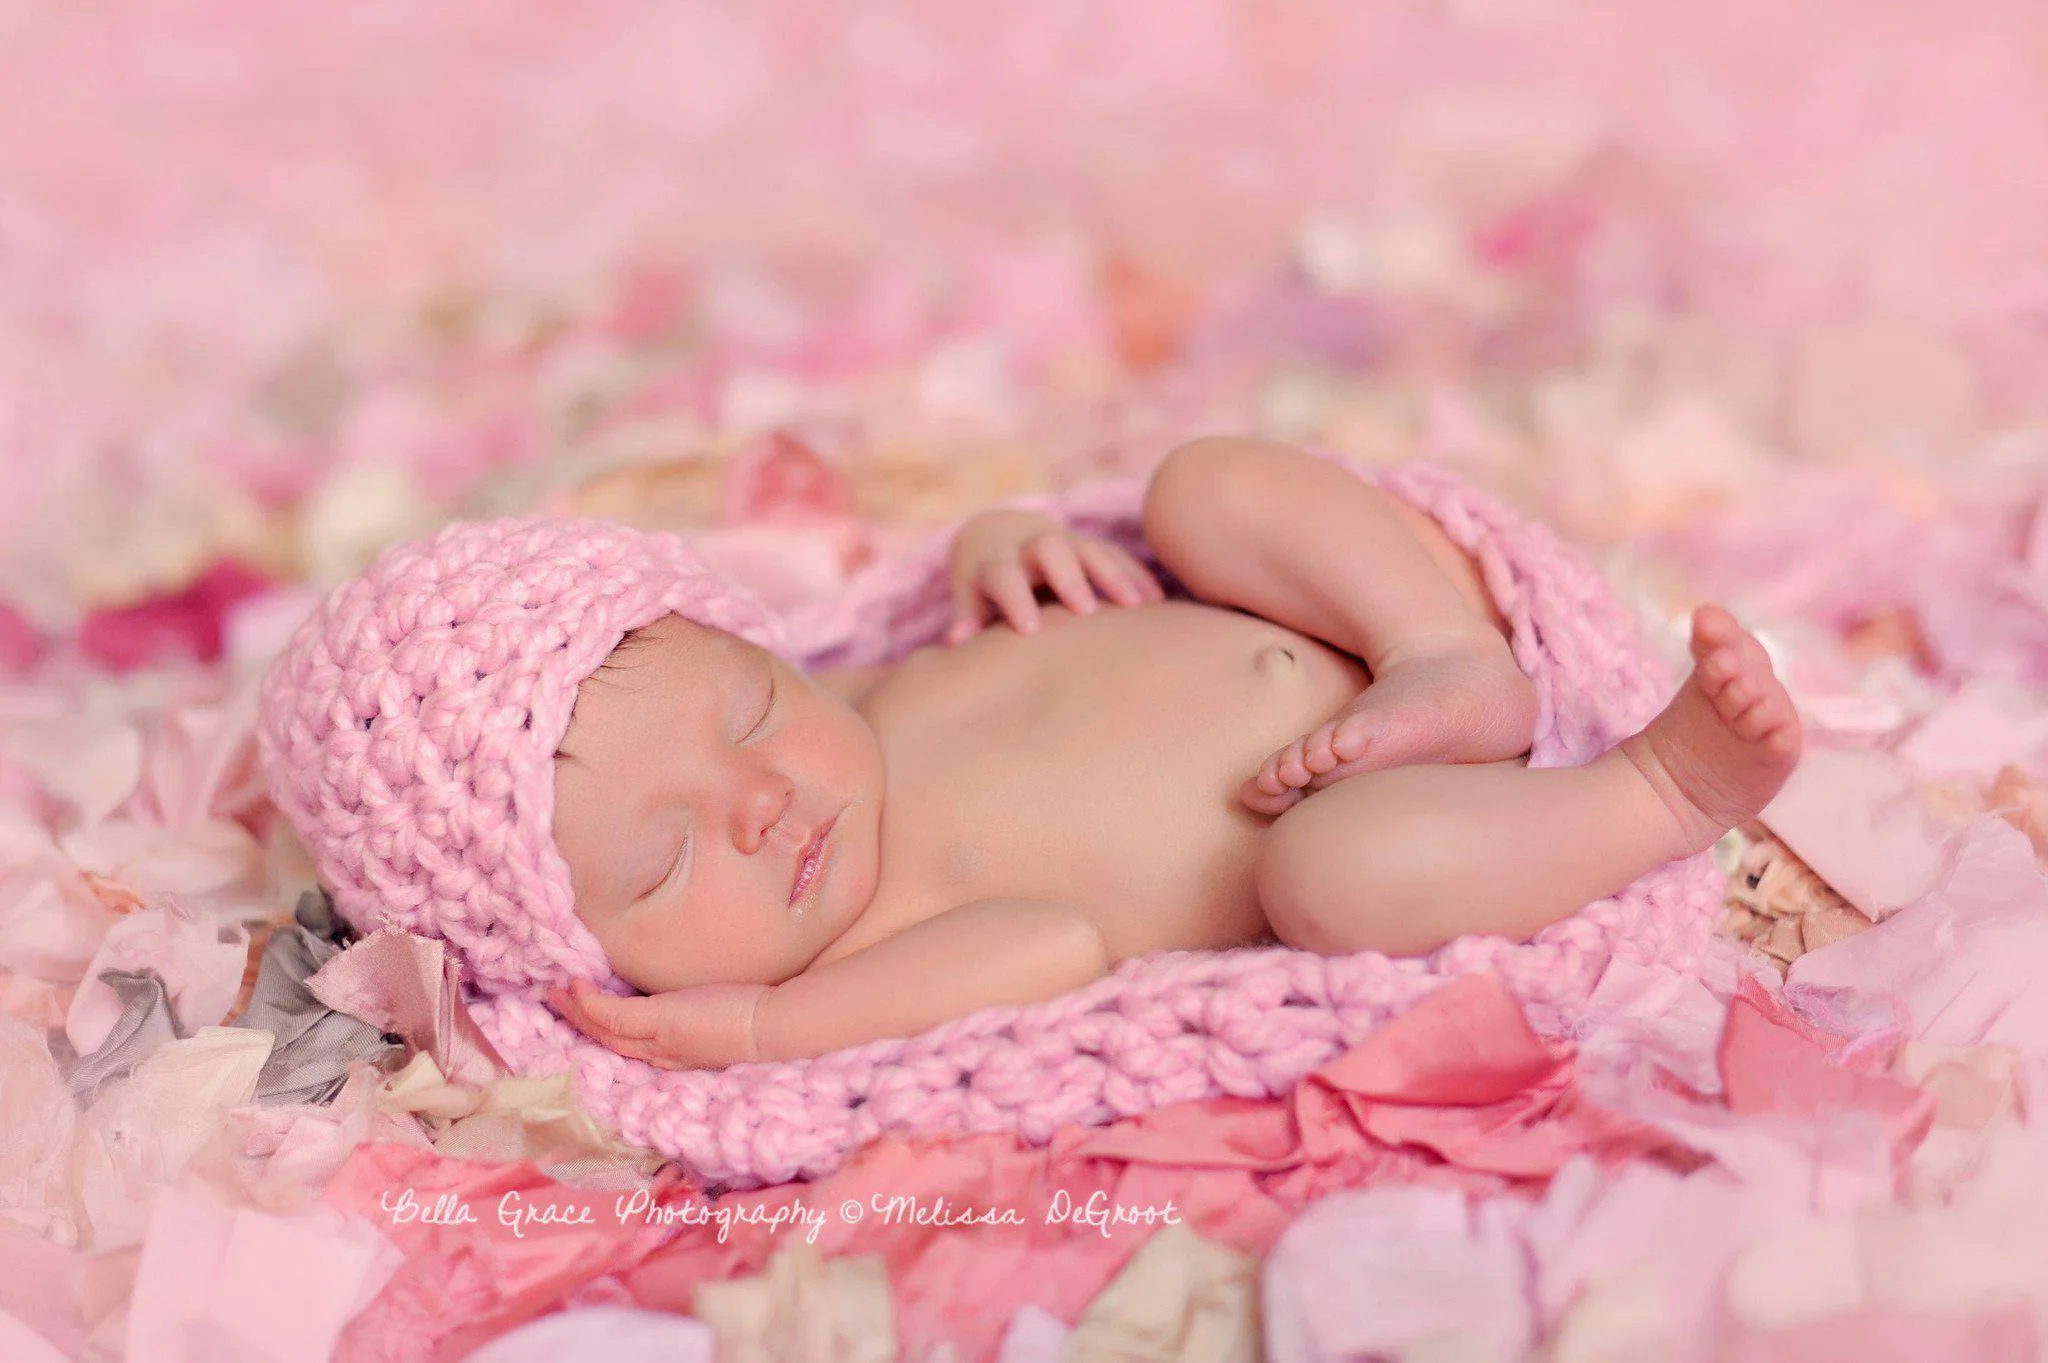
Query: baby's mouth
811	862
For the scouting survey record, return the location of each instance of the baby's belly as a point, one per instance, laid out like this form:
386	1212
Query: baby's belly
1097	763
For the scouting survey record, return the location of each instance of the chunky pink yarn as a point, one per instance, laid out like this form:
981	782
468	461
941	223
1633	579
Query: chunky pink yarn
1173	1025
409	728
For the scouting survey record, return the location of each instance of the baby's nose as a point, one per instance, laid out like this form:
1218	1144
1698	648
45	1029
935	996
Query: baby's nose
766	806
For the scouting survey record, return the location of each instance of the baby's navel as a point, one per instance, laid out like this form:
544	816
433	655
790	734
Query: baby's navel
1274	660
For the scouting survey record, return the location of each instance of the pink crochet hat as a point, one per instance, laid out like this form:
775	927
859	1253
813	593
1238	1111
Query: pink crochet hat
409	728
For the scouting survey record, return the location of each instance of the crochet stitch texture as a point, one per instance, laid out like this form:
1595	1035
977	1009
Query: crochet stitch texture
1170	1026
408	729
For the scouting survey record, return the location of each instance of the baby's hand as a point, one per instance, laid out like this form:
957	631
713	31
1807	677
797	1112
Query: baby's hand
1002	556
704	1027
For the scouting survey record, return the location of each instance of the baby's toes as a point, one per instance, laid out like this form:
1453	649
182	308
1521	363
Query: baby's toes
1737	696
1261	800
1759	719
1284	770
1292	764
1713	628
1267	779
1318	749
1721	672
1351	735
1785	741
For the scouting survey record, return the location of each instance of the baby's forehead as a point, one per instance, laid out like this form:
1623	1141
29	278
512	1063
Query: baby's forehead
672	656
676	643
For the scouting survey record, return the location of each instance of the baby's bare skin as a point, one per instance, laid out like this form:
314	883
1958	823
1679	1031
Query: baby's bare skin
1119	738
1013	815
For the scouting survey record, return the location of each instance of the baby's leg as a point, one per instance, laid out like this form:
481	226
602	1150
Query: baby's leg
1401	861
1308	544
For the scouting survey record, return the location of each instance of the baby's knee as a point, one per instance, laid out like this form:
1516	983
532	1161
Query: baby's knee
1205	477
1358	873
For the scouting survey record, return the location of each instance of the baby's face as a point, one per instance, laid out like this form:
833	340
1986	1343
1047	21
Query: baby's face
696	768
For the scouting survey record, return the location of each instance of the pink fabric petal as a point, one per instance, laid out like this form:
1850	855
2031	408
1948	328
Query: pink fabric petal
51	923
616	1334
1976	1089
2005	1334
1643	1015
1986	725
1856	817
42	1287
1462	1076
201	764
1378	1274
787	567
777	477
180	626
142	1131
199	961
1770	1067
20	1344
1961	961
1033	1337
469	1273
215	1282
400	983
92	765
207	857
22	643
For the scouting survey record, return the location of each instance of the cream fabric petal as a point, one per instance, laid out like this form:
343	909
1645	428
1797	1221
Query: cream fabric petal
803	1309
144	1129
1181	1299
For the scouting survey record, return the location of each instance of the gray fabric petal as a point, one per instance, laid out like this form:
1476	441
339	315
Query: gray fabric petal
315	913
145	1024
315	1044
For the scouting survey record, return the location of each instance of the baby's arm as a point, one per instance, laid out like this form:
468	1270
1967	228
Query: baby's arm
988	952
984	953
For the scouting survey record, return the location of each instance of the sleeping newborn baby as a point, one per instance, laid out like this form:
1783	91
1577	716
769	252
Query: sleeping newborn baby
1326	747
572	752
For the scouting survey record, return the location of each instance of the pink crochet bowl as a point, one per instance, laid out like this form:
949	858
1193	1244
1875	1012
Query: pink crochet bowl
1170	1026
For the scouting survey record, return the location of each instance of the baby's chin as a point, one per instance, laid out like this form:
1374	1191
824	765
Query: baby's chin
687	972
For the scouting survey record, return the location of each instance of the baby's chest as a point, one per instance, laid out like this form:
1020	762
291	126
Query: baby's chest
1102	771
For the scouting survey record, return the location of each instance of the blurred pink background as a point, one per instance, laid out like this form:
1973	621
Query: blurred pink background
1749	298
289	279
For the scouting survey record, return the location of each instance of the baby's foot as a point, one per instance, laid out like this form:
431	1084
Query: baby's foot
1726	744
1466	704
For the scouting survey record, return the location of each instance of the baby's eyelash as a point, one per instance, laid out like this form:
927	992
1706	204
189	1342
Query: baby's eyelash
673	866
762	722
684	850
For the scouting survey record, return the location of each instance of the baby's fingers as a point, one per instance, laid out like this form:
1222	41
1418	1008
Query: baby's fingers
1007	585
606	1017
628	1027
970	611
1122	577
1063	572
